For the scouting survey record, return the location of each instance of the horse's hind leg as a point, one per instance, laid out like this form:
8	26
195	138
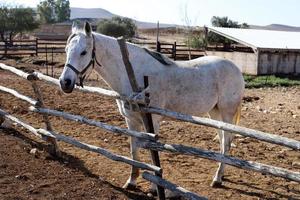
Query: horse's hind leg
225	144
133	125
215	114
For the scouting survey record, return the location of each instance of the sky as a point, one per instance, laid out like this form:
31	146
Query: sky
198	12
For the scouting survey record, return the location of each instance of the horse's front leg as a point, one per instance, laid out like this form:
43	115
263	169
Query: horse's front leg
133	124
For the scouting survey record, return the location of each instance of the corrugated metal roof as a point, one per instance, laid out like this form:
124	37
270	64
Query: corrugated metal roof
263	39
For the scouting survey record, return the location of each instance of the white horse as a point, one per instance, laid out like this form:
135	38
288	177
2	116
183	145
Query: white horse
205	85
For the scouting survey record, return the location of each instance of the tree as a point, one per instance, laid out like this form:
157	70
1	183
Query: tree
46	11
214	38
16	20
193	39
117	26
51	11
62	10
4	13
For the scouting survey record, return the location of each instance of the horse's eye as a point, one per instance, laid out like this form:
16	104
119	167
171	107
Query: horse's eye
83	53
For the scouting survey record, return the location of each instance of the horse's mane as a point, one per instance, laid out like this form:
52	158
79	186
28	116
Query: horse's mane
159	57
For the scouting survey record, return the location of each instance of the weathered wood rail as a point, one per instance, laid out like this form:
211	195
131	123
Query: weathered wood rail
44	134
148	140
247	132
170	186
174	148
81	119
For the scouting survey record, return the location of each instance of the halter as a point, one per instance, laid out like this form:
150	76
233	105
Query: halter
81	74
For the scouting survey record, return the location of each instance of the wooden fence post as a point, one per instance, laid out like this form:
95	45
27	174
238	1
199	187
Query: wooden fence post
147	118
47	71
174	51
158	46
36	46
5	47
52	63
54	148
157	32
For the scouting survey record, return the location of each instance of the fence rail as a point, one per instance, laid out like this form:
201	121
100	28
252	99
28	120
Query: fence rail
31	47
44	134
148	140
170	186
175	148
174	50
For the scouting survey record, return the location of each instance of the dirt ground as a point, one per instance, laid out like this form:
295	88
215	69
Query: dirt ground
86	175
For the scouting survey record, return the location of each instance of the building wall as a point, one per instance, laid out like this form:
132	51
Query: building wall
282	62
246	62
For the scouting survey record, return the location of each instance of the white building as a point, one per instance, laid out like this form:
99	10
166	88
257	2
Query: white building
273	52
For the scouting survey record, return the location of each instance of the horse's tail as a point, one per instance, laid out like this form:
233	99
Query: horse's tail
237	115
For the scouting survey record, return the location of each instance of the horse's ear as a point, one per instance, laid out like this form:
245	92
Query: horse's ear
88	29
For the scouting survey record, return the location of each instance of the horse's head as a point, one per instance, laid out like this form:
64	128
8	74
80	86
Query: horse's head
80	56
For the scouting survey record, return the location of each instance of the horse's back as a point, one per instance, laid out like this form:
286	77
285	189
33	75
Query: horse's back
207	62
222	72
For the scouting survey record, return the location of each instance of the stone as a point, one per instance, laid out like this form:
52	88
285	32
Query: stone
296	164
34	152
294	116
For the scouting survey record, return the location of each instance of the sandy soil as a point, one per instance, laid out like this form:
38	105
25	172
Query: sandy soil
85	175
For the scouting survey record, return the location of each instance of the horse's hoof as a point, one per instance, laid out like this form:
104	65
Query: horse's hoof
216	184
129	186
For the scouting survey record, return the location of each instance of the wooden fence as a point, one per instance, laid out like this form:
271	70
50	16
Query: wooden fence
38	46
174	50
31	47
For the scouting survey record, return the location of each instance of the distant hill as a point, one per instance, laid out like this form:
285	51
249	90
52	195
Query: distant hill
277	27
150	25
97	13
100	14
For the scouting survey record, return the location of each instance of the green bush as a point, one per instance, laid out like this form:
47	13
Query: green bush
196	42
270	81
117	27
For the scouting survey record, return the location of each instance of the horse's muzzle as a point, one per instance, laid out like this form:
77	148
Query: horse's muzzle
67	85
